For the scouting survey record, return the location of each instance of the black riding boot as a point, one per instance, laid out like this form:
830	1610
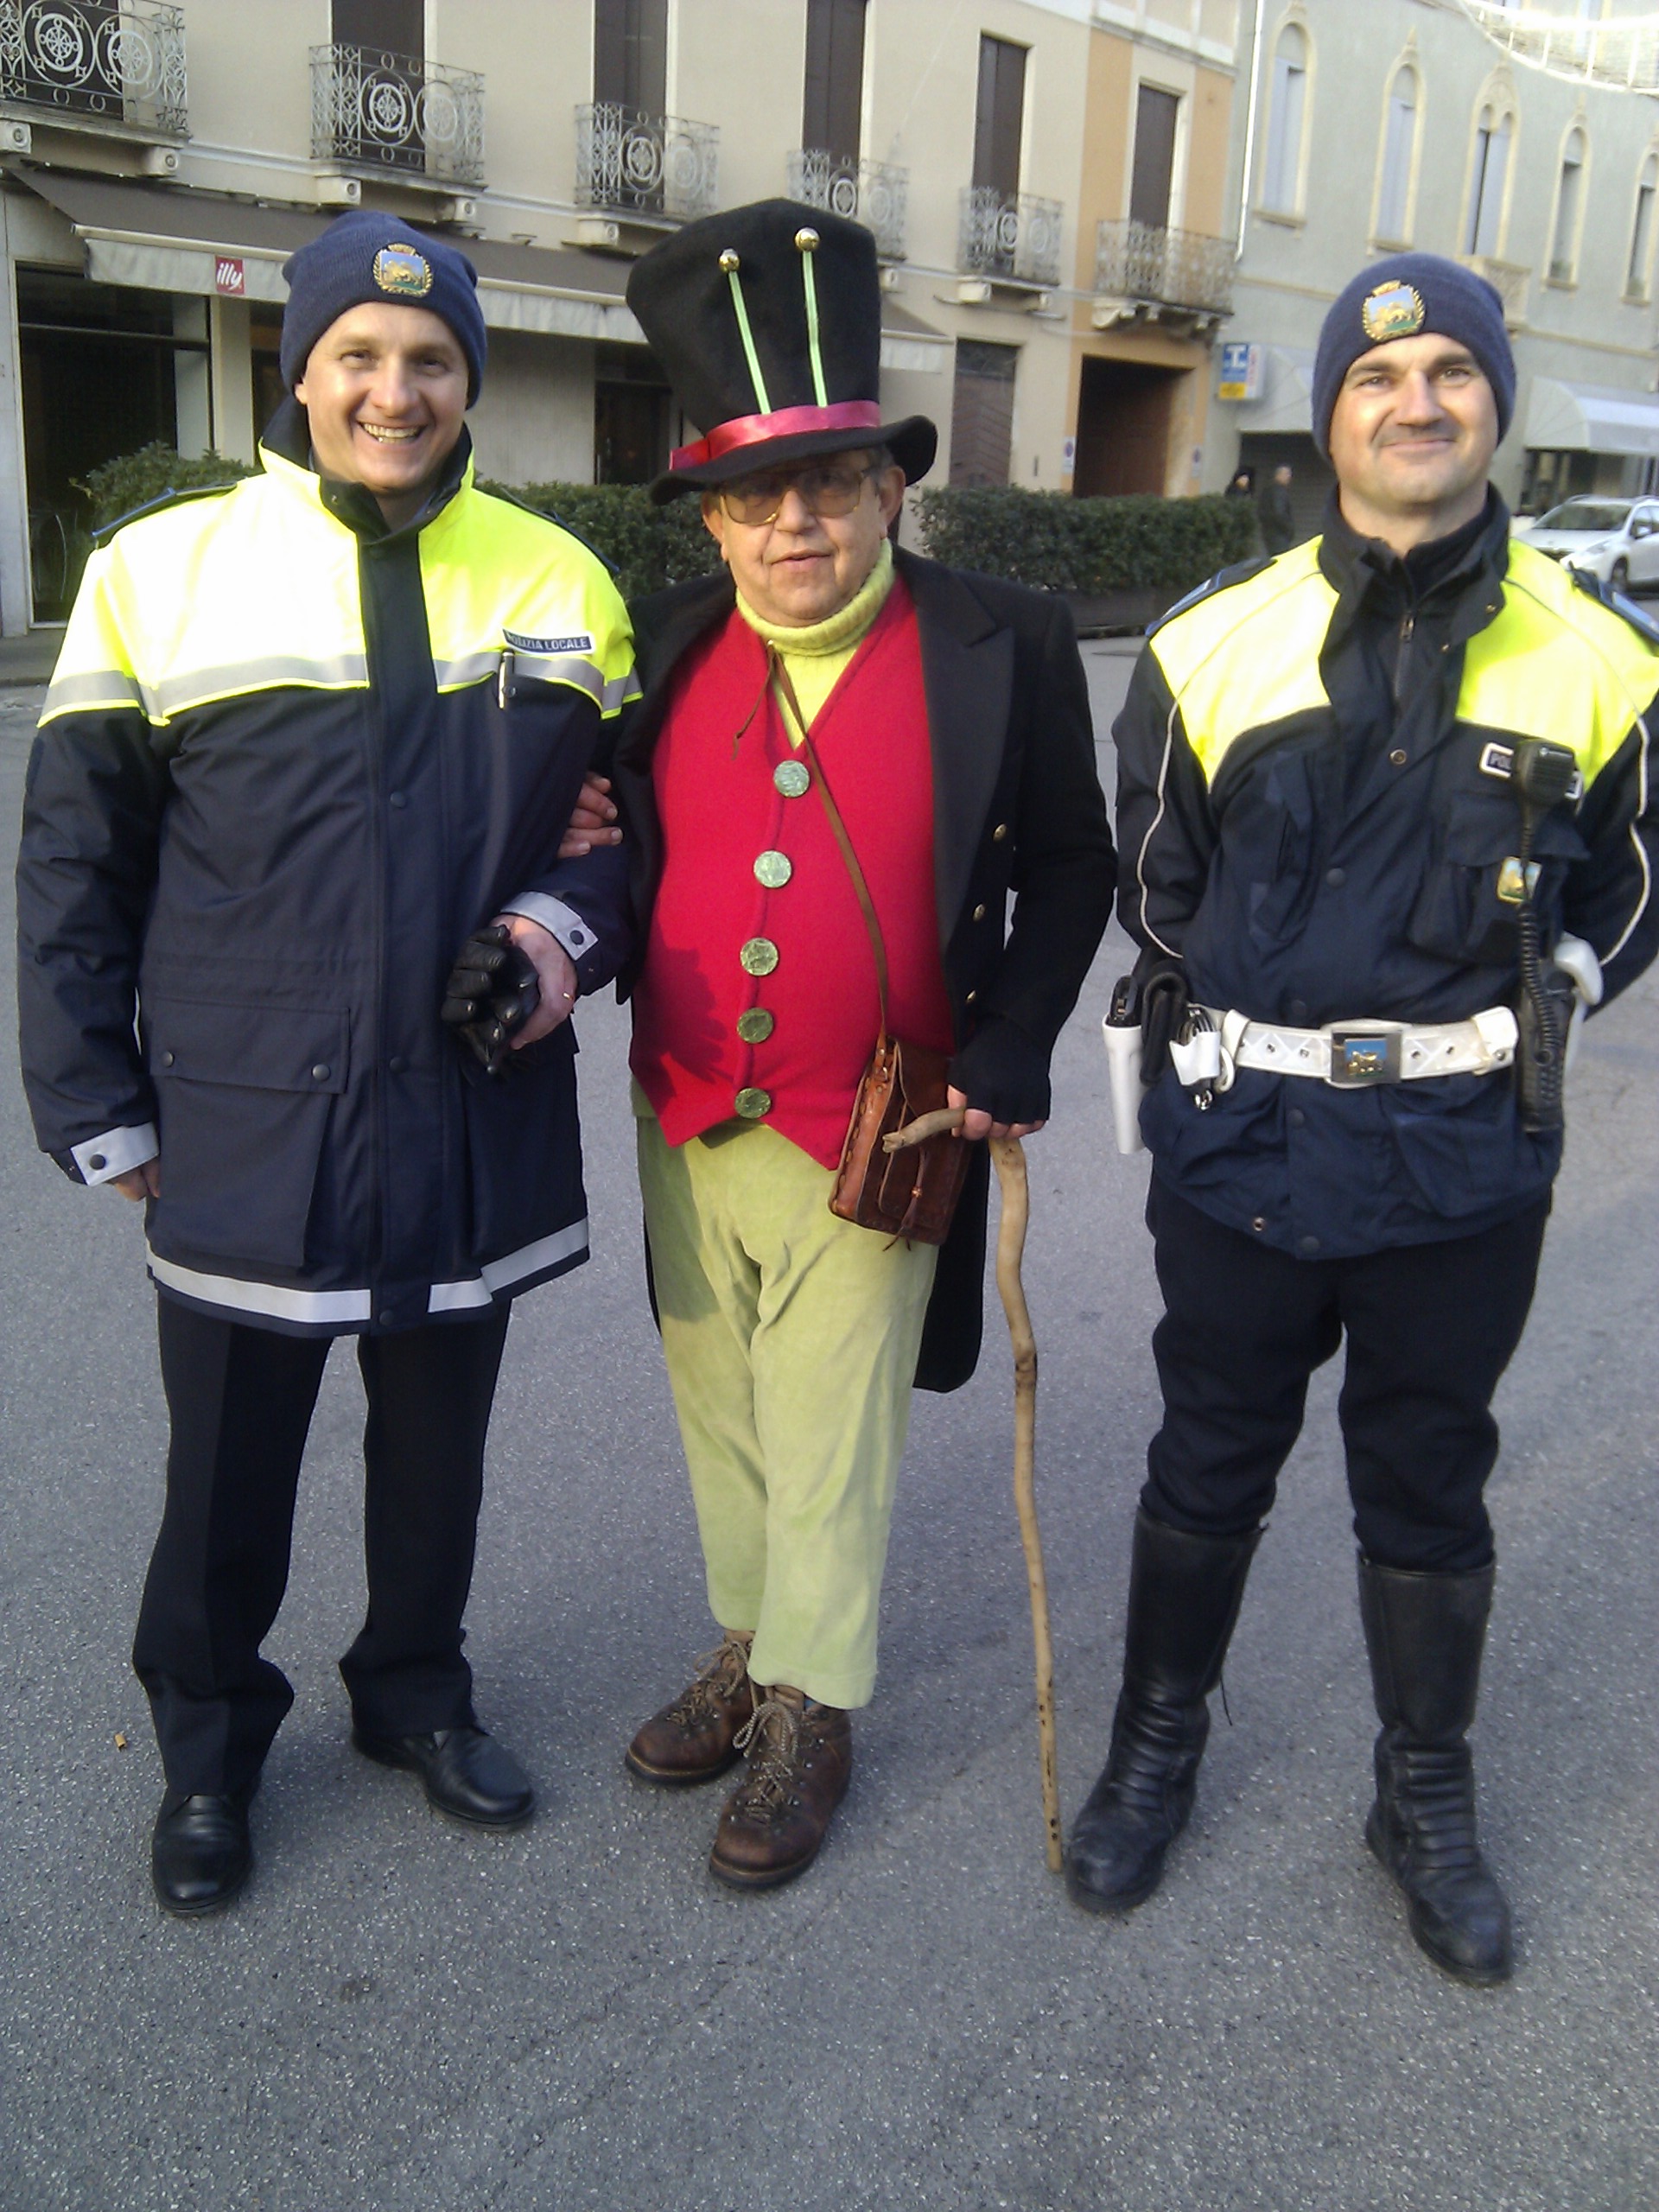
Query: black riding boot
1185	1593
1425	1633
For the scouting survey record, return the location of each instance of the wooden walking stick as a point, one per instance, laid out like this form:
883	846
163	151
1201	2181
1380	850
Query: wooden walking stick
1009	1157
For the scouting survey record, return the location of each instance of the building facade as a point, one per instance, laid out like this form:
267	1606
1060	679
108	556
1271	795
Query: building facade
1045	180
1364	126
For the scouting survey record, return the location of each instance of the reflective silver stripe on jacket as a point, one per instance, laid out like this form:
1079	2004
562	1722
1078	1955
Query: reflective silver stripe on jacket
501	1274
339	1308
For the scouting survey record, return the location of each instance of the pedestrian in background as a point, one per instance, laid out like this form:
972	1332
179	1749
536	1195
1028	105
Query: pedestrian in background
1273	512
947	719
304	736
1390	805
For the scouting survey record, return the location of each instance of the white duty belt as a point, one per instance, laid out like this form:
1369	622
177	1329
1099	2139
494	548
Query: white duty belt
1348	1055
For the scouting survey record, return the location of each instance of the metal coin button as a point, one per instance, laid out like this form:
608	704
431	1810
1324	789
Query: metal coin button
752	1103
758	956
754	1025
792	778
774	870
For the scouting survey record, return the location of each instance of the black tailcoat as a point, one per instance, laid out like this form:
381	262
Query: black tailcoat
1017	807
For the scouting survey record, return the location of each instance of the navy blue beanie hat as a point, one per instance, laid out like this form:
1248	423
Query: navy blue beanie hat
1398	297
366	256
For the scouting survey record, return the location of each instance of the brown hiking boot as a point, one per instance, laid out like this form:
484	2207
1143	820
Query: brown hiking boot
800	1759
695	1738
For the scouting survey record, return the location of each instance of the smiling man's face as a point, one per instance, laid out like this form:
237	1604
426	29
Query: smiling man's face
385	388
803	566
1413	435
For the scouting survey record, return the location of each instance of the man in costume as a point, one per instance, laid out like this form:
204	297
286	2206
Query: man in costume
306	737
1386	805
949	721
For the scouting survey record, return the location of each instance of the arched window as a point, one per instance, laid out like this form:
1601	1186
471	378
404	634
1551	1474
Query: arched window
1494	136
1282	167
1569	201
1635	275
1399	144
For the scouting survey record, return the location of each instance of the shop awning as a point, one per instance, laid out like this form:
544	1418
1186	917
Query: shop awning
1286	397
1591	419
168	238
171	238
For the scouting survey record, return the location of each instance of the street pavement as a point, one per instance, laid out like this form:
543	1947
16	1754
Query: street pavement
403	2016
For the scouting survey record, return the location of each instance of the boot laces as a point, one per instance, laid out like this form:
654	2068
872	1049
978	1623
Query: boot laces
717	1676
770	1737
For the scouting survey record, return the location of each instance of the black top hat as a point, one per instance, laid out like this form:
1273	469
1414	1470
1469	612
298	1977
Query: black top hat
768	321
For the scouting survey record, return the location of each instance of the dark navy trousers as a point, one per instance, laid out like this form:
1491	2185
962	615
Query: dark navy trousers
1429	1328
241	1401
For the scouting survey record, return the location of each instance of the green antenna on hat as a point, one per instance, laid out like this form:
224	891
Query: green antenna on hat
806	244
730	263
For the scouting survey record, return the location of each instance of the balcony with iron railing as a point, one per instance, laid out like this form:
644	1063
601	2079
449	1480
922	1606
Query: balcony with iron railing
389	113
651	168
112	65
1147	265
1009	237
871	193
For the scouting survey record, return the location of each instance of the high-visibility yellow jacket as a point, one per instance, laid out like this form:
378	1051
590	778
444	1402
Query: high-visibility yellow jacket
1315	811
288	760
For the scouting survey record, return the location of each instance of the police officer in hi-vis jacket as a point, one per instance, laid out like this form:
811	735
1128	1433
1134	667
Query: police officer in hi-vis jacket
1385	807
307	737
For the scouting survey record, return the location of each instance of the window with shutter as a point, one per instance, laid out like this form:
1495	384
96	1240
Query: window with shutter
1155	115
832	114
998	115
630	54
384	26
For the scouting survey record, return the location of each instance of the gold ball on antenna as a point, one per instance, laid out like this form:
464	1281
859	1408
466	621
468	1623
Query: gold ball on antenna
807	241
729	261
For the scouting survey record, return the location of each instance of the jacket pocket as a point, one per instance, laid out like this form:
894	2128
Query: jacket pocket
523	1151
1459	913
244	1095
1268	838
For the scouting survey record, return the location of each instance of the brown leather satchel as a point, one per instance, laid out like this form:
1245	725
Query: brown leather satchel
911	1193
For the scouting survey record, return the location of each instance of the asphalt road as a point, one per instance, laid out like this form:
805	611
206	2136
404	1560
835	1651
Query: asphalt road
403	2015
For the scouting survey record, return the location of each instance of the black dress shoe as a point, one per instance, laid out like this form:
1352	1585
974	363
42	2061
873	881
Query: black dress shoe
467	1774
199	1854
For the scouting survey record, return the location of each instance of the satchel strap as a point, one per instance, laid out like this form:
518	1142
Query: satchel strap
867	905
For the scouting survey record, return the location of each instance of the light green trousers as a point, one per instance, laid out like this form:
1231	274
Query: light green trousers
792	1340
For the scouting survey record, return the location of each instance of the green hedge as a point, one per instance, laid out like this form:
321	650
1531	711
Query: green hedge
1061	544
647	546
133	480
1046	538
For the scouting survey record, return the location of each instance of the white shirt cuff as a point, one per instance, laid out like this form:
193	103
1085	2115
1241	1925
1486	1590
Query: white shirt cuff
557	918
117	1151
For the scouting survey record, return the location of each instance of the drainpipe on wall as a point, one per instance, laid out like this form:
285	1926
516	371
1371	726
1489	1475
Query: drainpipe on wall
1249	134
15	606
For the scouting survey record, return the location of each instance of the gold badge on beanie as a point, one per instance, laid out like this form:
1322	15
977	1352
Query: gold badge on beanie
1393	311
403	271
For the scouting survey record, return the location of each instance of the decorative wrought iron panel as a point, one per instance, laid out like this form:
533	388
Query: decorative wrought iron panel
871	193
631	163
1013	235
1180	269
124	63
389	110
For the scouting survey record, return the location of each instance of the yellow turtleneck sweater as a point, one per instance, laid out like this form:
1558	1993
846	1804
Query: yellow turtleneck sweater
816	654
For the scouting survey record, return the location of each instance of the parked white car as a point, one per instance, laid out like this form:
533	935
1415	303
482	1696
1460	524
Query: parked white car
1617	540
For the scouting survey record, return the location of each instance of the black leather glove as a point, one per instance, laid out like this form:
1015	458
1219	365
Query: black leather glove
1003	1072
491	993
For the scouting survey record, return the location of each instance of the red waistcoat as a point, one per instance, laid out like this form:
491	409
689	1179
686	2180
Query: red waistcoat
722	811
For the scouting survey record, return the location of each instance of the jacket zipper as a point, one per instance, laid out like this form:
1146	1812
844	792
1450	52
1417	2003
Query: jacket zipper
1408	628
